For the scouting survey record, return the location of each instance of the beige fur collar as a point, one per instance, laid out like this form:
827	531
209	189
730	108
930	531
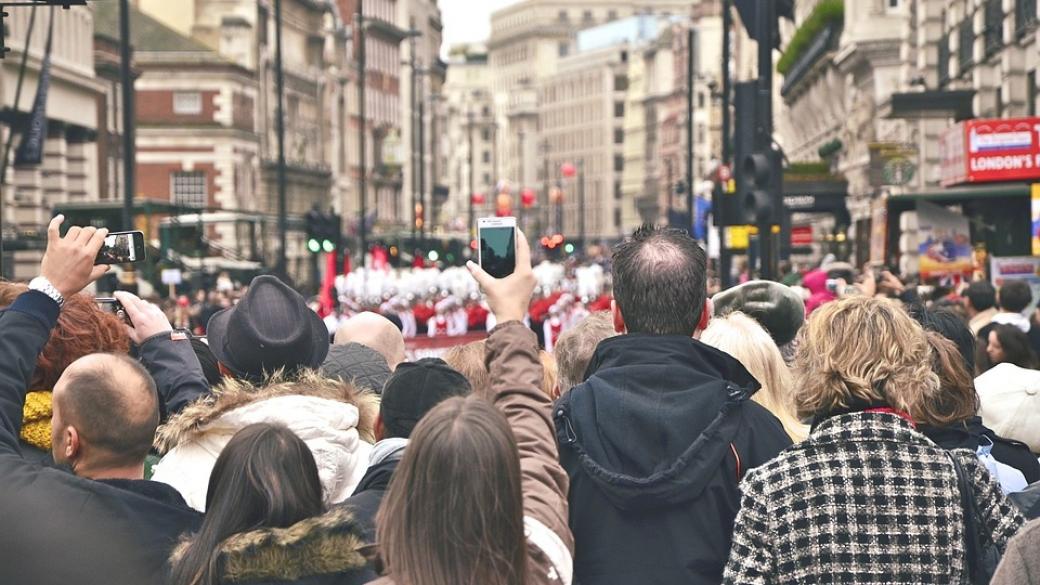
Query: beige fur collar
232	394
323	545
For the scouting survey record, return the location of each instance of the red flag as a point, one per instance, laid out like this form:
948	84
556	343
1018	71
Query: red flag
328	285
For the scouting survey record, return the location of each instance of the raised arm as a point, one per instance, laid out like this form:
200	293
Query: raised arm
67	268
516	376
169	358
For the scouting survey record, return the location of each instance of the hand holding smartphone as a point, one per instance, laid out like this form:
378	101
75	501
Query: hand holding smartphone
496	253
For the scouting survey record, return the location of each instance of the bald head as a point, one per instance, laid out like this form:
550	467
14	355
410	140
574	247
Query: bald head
376	332
112	404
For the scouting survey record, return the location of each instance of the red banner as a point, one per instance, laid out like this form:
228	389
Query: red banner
987	151
801	236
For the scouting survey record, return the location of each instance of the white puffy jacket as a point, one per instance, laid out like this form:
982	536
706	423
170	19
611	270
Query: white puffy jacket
324	413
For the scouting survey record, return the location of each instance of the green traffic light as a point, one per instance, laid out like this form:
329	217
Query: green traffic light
328	246
433	256
569	248
313	245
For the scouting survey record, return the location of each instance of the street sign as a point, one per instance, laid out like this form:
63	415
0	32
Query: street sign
988	151
172	276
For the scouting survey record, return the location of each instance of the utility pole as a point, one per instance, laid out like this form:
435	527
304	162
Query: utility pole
543	214
691	71
413	135
472	176
522	179
764	136
359	20
282	268
422	160
581	207
725	258
129	129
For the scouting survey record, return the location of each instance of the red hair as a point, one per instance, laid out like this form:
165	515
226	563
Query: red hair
82	329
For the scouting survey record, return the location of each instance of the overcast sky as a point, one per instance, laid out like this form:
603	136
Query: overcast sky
467	21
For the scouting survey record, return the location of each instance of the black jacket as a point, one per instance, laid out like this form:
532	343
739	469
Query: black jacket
369	495
655	443
969	435
59	528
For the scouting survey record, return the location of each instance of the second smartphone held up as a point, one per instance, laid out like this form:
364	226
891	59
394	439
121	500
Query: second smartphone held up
497	249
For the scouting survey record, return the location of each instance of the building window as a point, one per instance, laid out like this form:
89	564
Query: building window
1000	102
994	33
563	49
187	103
1031	92
617	218
486	157
612	15
586	17
562	16
966	48
1025	17
619	163
189	189
619	136
700	100
620	83
619	109
487	178
893	4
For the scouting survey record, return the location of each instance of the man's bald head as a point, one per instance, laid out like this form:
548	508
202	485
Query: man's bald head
112	403
374	331
660	281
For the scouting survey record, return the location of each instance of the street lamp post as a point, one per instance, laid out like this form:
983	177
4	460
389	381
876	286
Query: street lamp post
359	19
282	268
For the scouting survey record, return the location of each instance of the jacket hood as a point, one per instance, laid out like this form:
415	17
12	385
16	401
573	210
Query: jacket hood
332	418
235	394
378	476
324	545
655	418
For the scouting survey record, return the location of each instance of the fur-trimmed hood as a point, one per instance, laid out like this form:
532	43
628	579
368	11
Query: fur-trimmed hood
325	545
334	419
234	393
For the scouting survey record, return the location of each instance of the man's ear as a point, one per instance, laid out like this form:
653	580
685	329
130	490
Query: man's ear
380	430
709	308
619	319
73	446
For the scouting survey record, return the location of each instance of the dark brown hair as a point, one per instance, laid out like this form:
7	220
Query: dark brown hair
264	478
660	281
453	514
956	400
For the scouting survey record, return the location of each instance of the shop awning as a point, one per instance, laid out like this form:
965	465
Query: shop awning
982	191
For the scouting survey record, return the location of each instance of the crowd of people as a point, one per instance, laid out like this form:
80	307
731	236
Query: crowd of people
867	433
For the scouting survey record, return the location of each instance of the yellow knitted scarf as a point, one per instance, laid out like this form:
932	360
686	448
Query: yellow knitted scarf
36	420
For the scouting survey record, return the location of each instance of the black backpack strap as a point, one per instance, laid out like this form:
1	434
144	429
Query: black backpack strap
971	531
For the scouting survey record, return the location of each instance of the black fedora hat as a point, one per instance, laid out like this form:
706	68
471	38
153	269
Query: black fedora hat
270	328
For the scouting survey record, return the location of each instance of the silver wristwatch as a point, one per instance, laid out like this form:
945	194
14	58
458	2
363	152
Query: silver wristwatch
43	285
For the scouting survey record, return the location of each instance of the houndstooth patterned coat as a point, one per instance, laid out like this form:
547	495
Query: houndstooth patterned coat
865	500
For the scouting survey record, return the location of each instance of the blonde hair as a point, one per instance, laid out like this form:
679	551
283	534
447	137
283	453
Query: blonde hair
469	360
576	346
743	338
862	350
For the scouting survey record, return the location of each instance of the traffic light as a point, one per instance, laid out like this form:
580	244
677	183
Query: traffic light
759	187
331	234
315	229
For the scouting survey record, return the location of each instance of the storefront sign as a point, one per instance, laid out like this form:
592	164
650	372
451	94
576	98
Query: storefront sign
892	163
801	236
945	242
1025	268
987	151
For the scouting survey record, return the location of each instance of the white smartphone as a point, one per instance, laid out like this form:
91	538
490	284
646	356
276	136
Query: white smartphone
496	253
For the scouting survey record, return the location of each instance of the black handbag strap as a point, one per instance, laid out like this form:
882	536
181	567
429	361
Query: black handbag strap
971	531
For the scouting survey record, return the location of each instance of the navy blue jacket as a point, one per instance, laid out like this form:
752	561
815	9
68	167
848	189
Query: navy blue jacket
655	442
59	528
